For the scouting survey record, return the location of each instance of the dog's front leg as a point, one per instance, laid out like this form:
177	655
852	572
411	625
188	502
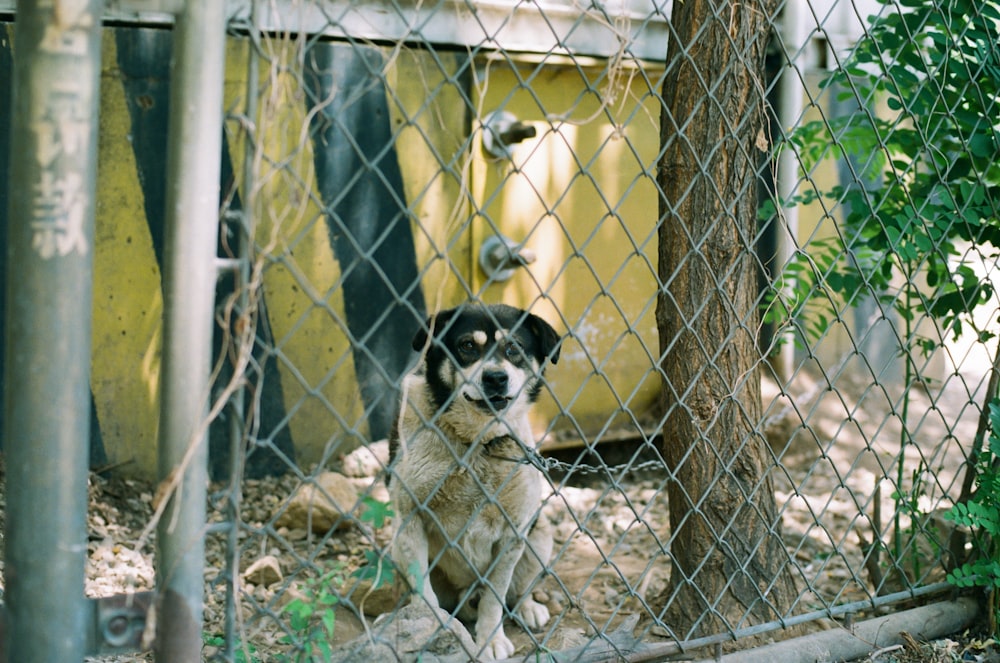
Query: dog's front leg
529	568
490	637
409	555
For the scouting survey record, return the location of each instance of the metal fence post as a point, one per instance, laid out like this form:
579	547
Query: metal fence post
789	115
237	402
49	281
193	166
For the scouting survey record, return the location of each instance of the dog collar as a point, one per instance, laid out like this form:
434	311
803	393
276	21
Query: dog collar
493	445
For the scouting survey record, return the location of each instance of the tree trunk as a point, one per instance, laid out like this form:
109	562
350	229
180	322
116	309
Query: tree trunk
730	569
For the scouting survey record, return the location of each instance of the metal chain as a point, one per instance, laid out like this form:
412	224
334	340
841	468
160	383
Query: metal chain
532	457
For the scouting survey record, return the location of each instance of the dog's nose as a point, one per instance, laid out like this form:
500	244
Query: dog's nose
495	382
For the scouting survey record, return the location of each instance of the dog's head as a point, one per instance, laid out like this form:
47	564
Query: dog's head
485	359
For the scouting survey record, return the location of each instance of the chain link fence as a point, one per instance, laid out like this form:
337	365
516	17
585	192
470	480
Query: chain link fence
402	159
385	161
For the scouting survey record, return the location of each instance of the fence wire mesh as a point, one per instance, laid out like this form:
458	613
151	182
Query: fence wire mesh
393	160
387	144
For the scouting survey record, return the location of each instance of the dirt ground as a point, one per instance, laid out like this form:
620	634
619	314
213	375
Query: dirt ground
599	556
610	536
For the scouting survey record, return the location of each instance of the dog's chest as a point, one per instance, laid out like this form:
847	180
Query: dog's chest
473	516
480	492
484	502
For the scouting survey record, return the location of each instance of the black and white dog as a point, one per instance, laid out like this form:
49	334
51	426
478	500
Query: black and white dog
468	535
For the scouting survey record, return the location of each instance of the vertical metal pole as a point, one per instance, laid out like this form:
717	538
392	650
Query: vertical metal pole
192	228
49	280
789	115
238	401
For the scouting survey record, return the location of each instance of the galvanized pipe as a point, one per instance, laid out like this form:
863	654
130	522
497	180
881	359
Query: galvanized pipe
53	146
793	36
192	228
237	432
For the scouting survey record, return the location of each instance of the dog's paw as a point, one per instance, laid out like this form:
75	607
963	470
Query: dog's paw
499	647
533	614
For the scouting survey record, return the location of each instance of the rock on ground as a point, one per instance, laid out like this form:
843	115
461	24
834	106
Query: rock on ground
411	634
265	571
366	461
321	505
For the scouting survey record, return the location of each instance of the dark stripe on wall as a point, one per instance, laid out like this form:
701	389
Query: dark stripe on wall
361	185
144	61
262	374
98	458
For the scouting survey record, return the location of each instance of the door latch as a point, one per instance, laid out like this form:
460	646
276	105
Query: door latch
501	131
500	256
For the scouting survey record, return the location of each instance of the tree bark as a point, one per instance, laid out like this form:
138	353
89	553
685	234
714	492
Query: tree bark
730	569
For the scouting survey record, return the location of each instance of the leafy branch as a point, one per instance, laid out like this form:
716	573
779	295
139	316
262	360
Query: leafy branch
923	148
927	176
982	514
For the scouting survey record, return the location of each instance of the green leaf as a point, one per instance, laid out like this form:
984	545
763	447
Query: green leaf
767	210
377	568
376	512
329	622
923	242
300	621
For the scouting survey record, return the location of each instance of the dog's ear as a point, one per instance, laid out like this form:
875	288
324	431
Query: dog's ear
435	323
548	339
420	338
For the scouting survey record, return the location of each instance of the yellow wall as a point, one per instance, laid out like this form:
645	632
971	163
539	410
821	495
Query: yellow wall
128	304
576	196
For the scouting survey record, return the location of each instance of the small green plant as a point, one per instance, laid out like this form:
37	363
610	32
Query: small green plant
378	568
375	512
982	513
244	653
312	619
312	616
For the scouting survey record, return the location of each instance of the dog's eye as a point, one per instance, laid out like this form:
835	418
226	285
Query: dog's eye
467	347
513	351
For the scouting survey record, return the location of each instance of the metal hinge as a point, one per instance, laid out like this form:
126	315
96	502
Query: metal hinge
120	624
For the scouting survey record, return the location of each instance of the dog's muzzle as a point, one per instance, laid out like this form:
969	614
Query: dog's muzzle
494	385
